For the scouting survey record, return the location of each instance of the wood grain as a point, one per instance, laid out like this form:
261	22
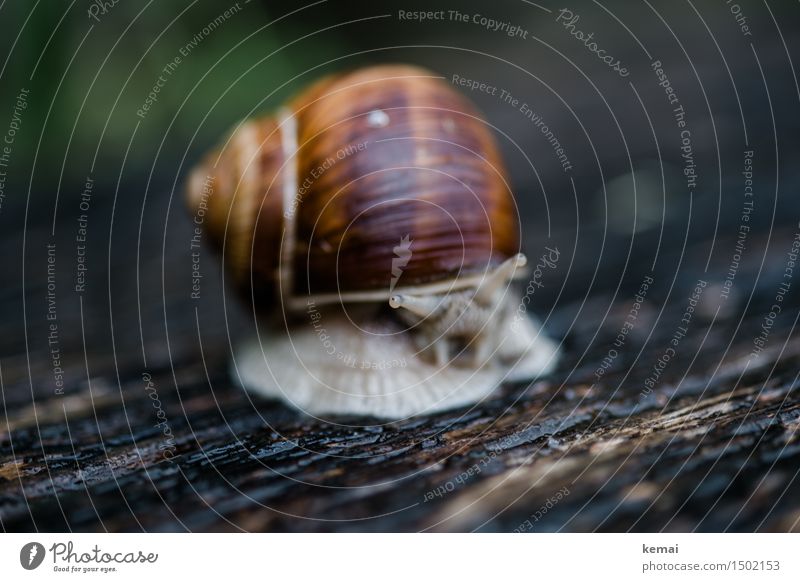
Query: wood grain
713	447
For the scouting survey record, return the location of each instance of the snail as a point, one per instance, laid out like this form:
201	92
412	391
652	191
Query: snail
370	225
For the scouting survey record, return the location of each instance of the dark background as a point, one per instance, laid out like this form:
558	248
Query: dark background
623	211
87	79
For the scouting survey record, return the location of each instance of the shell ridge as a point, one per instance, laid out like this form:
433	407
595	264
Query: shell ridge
288	129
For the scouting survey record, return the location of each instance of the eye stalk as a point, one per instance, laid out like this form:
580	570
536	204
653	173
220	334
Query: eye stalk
476	318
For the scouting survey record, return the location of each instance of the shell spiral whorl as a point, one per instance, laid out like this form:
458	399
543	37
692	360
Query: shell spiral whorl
315	200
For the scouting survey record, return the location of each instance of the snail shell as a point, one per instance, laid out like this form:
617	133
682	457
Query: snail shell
377	186
315	200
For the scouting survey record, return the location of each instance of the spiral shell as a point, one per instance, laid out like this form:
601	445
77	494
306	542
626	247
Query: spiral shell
317	199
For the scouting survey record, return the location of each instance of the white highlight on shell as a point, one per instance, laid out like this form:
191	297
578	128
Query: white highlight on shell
377	118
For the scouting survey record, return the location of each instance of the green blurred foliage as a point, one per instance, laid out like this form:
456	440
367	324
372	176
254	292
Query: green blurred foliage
87	79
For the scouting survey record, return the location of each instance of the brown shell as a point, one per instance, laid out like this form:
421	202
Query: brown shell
384	155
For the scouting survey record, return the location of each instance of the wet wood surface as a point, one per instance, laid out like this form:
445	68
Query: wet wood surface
711	445
677	427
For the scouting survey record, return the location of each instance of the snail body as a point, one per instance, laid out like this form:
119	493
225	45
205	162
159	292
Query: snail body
376	188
